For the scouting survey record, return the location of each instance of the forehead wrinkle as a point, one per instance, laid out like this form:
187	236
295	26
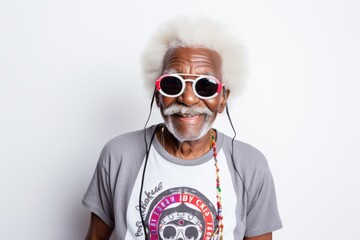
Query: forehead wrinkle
201	68
194	61
174	64
171	57
199	60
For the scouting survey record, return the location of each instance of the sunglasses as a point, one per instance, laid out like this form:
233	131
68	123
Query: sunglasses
173	85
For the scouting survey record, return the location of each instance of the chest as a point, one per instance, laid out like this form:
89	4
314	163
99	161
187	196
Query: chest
180	201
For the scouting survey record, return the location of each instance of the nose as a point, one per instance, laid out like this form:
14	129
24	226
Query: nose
188	97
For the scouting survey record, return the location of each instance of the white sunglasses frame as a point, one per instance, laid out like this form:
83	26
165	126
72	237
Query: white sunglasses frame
183	81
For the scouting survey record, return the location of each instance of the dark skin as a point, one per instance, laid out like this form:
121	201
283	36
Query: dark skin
191	61
98	230
188	61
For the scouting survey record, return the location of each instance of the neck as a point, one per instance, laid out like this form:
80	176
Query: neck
186	150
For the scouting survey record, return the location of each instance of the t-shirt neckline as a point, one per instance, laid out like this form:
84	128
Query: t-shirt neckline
194	162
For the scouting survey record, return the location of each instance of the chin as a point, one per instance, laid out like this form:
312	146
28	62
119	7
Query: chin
188	135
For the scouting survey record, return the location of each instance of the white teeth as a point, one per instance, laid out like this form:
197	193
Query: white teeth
185	115
188	116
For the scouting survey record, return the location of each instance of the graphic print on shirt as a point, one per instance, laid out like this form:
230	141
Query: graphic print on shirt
173	193
181	213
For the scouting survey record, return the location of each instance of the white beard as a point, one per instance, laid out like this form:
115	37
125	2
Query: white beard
187	111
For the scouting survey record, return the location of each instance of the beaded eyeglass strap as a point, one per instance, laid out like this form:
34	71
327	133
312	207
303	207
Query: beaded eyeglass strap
220	226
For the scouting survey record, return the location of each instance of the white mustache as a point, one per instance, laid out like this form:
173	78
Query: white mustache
187	111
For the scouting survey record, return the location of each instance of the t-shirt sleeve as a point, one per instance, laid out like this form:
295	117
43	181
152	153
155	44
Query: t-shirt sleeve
98	197
262	213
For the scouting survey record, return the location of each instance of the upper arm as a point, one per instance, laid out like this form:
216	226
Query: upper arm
262	214
98	230
267	236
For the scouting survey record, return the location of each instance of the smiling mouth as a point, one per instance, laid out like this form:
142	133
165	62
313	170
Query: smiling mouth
188	118
187	115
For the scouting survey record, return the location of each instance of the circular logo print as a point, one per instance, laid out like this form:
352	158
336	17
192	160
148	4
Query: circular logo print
181	213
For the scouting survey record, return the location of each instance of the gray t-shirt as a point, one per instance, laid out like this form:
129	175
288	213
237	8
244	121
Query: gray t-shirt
179	196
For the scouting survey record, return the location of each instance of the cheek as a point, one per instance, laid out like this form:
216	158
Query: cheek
166	101
213	104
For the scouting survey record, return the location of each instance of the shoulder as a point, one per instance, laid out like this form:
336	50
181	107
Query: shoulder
124	142
129	145
249	163
246	156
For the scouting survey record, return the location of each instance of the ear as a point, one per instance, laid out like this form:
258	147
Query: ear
225	95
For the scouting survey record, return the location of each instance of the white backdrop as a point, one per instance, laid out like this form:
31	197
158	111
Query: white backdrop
70	81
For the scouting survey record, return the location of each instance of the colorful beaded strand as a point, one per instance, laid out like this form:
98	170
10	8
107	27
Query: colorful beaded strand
220	227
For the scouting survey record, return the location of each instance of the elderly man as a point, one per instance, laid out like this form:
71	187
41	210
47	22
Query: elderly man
182	179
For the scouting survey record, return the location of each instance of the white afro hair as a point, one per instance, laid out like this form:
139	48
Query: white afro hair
196	32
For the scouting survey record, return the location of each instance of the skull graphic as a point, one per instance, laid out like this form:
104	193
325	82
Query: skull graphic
181	223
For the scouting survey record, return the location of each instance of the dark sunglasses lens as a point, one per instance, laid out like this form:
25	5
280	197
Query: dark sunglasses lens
206	87
171	85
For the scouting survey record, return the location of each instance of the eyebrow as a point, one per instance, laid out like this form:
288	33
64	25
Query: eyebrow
209	74
172	71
